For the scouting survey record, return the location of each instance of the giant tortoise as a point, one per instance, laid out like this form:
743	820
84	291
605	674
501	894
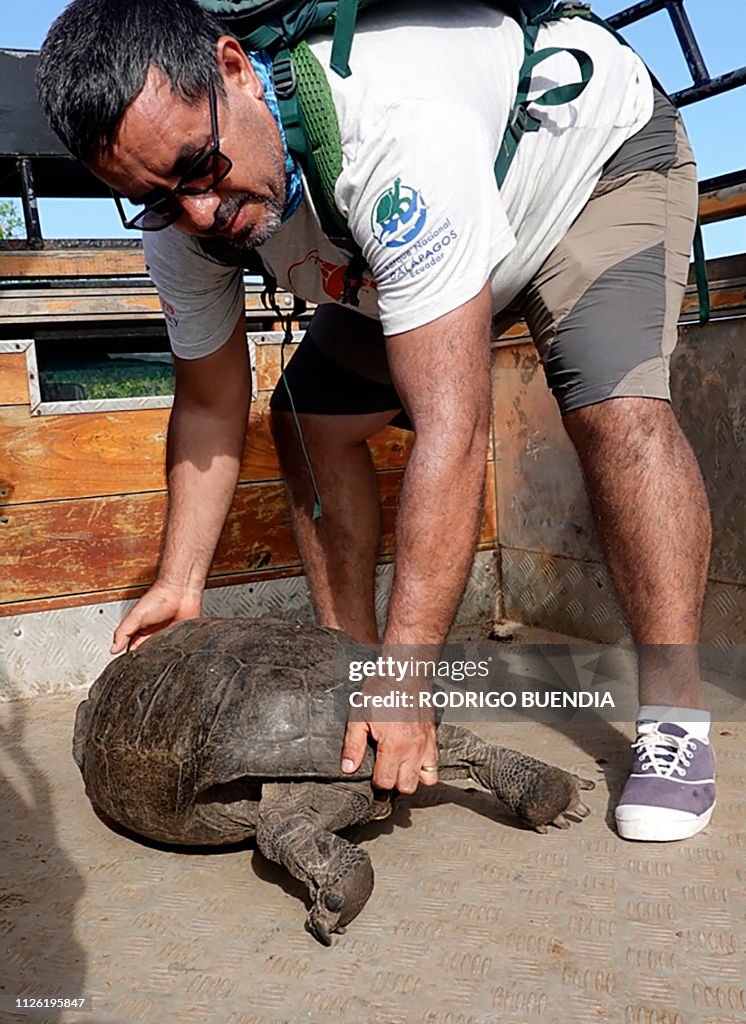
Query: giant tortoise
215	730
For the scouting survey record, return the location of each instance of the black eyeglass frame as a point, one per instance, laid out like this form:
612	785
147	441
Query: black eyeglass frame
165	219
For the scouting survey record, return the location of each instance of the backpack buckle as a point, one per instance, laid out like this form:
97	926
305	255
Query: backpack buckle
519	122
284	77
574	9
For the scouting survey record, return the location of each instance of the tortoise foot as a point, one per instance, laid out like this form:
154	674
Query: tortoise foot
554	799
344	893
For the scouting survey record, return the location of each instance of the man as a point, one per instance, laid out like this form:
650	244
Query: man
588	237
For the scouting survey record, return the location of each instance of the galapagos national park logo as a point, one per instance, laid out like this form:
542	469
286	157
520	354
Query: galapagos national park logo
399	215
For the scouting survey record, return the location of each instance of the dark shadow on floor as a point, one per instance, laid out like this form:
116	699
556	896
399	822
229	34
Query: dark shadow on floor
39	884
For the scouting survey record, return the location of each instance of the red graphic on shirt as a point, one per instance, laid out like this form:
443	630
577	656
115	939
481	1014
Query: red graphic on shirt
332	275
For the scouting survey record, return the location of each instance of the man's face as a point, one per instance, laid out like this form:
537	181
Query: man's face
161	135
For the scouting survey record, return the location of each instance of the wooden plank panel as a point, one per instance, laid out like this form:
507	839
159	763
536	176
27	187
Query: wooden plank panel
90	262
268	364
26	306
13	379
98	544
56	549
722	299
85	454
489	530
52	458
132	593
722	204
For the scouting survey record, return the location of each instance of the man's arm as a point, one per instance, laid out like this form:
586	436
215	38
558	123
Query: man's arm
442	373
206	435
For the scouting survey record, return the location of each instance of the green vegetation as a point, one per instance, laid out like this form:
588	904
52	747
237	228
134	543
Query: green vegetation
11	222
114	378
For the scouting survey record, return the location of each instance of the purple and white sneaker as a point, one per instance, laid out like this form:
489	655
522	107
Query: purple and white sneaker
670	793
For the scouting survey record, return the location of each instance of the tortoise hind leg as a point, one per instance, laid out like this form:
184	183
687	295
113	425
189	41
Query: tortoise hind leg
539	793
294	829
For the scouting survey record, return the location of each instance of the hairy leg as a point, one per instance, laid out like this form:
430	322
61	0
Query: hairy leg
653	521
339	549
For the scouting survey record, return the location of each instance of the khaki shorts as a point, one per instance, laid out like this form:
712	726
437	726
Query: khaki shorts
602	310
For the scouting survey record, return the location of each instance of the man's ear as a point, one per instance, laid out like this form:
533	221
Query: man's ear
235	67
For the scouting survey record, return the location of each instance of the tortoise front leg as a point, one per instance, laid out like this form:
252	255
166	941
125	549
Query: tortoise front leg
294	829
538	793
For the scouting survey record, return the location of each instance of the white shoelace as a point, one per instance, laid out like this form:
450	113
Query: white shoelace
663	754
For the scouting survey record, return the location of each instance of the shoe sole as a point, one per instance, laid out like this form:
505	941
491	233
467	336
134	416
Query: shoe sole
661	830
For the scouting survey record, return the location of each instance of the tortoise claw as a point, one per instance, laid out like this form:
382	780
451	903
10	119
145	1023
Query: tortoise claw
318	929
323	917
340	898
576	809
556	800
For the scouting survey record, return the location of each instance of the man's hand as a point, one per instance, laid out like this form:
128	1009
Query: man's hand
442	372
402	749
163	605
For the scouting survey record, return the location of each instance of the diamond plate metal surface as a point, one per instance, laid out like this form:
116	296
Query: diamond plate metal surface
561	594
577	598
473	919
44	652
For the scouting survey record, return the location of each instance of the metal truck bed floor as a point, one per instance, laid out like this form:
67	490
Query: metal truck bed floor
473	918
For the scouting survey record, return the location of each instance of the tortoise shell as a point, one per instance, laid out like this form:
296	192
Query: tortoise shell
168	729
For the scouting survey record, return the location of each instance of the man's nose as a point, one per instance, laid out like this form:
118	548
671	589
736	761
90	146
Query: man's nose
200	210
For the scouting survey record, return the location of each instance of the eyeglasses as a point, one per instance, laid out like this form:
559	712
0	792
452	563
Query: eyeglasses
161	212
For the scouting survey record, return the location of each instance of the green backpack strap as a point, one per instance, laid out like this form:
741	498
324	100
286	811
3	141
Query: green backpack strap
312	129
531	16
521	120
700	274
309	118
344	30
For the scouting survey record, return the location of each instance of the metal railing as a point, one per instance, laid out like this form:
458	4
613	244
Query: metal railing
704	85
733	184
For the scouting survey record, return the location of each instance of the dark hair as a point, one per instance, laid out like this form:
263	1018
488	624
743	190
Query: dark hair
97	55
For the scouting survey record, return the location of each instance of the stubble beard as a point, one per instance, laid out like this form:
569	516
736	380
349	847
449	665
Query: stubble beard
270	208
259	230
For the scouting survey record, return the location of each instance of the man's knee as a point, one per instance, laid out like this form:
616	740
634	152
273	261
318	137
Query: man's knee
623	422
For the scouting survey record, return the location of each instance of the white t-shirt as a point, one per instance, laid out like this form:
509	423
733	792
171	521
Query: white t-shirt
421	119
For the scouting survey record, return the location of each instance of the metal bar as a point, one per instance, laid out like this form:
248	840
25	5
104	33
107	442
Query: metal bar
685	34
30	207
711	88
636	12
730	180
681	25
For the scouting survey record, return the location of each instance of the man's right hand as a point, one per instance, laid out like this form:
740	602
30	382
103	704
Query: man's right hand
163	605
206	435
